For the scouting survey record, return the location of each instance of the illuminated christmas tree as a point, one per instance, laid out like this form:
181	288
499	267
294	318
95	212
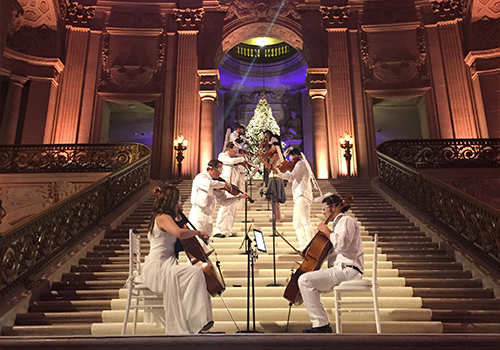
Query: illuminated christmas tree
261	121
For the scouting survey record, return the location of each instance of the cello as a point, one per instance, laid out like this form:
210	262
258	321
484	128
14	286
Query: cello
314	254
198	256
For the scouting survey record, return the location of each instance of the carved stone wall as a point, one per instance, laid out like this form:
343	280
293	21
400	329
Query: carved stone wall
25	195
131	62
394	60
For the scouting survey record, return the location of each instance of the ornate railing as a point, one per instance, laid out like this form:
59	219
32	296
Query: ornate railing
475	224
444	153
69	157
30	246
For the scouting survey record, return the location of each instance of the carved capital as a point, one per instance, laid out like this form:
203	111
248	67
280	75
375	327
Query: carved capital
209	80
335	16
316	79
75	13
446	9
188	18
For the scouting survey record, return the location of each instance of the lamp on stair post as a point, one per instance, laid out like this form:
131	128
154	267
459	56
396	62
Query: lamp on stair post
346	143
180	145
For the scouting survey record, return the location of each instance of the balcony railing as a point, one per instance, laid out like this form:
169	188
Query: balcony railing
474	223
30	246
444	153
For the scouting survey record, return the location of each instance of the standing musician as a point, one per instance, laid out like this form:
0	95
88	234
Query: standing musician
301	179
231	174
206	189
345	262
187	304
275	186
238	134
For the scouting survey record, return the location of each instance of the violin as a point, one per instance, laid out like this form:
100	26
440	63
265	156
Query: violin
198	256
314	254
288	165
234	190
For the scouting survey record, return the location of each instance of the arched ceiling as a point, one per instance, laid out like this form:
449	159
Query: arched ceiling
38	13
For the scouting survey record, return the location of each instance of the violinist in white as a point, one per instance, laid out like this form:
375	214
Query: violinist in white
186	301
206	190
231	174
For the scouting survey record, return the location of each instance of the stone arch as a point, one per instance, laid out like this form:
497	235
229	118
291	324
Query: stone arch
252	30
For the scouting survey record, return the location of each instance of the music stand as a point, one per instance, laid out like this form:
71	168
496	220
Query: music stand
251	256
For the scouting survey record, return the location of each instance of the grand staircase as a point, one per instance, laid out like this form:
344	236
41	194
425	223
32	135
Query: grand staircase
422	288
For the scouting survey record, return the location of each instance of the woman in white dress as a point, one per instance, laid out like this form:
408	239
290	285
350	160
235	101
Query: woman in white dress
188	308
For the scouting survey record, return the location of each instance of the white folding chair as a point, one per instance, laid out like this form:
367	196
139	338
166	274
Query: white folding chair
138	296
358	286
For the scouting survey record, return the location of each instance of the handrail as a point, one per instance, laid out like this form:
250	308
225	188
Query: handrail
30	246
444	153
475	224
57	158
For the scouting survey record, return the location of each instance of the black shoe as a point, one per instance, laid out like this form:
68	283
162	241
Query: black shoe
323	329
220	235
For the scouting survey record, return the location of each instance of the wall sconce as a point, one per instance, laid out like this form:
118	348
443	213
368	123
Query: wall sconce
180	145
346	144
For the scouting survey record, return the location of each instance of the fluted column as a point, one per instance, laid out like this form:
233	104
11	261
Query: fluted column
317	93
65	129
458	89
340	119
187	120
208	94
10	118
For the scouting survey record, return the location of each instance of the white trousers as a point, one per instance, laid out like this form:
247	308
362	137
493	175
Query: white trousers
225	218
302	221
200	220
313	284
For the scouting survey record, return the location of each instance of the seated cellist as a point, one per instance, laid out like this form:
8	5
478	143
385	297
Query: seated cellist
345	262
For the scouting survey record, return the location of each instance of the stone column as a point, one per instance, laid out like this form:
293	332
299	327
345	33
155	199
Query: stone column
86	134
484	69
340	118
339	99
208	93
162	163
317	93
40	108
463	115
187	112
65	129
10	118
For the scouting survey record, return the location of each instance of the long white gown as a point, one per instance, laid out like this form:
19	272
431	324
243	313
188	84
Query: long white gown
185	298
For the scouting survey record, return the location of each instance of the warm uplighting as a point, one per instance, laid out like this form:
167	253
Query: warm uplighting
346	143
180	145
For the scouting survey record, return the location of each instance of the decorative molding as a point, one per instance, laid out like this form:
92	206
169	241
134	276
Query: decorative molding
446	9
335	16
395	64
74	13
189	18
134	20
34	60
317	93
133	71
254	10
